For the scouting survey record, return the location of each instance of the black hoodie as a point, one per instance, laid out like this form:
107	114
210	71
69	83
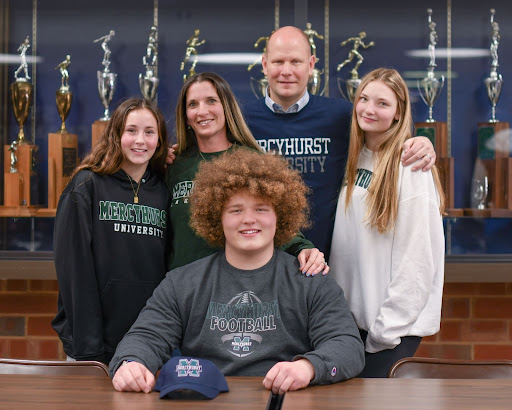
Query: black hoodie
109	257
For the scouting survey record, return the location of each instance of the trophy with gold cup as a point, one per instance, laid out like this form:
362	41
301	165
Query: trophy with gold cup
20	185
106	86
493	136
351	84
62	145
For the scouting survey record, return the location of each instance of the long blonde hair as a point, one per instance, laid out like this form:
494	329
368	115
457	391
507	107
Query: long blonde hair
236	129
382	197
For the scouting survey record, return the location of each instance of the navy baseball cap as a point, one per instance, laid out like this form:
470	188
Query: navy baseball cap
187	373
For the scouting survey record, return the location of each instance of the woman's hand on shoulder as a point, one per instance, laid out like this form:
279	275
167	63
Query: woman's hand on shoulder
170	154
420	152
312	261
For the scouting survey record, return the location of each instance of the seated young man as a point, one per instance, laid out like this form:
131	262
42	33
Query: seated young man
247	308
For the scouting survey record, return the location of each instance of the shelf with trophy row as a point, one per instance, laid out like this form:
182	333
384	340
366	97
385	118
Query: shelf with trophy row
97	56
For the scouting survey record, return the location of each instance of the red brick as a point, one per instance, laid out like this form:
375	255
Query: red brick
492	352
492	307
509	288
47	349
28	303
44	285
4	348
455	308
444	351
491	288
12	326
3	285
18	348
451	330
40	326
459	288
16	285
485	331
431	339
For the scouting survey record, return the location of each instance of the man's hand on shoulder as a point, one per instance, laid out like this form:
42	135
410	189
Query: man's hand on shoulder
419	149
289	376
133	376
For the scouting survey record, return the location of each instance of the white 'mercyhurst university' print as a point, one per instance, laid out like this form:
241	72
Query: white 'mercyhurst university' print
305	154
242	319
142	219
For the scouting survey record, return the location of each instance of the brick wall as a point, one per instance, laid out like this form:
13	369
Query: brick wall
476	321
26	310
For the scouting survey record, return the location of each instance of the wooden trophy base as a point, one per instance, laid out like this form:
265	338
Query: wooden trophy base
24	165
437	133
62	160
97	131
13	189
446	167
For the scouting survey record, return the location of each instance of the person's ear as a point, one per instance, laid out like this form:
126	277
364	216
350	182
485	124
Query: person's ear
264	63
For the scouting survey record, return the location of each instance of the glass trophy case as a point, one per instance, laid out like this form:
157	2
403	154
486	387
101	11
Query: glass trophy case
65	64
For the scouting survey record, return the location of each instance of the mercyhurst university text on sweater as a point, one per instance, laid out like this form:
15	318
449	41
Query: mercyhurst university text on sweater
109	257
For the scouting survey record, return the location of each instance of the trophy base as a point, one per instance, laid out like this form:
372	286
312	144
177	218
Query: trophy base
62	160
98	127
493	140
25	155
437	133
446	175
13	189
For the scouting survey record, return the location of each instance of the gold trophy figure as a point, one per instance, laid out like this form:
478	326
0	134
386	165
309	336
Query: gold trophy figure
148	81
311	34
353	83
315	79
64	96
259	85
21	90
193	42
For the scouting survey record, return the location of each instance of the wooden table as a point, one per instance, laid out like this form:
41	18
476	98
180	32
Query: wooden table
246	393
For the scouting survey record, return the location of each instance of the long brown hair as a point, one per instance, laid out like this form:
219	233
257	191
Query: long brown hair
107	156
236	129
382	197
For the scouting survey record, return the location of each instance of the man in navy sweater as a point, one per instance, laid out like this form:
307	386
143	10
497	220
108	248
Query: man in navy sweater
310	131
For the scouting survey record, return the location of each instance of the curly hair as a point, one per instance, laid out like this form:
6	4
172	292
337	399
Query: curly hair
264	176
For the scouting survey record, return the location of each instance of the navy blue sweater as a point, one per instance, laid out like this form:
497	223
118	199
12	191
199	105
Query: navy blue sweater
315	142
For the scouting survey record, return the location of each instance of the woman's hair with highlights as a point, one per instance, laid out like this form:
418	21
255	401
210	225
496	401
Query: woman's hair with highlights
237	130
382	197
107	156
264	176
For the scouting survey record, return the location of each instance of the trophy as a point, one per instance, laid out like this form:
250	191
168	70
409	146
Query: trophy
149	81
315	79
106	87
480	190
493	137
429	89
64	96
21	91
106	79
352	84
259	85
20	179
192	43
62	145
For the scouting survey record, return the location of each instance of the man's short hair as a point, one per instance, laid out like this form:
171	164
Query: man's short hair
264	176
